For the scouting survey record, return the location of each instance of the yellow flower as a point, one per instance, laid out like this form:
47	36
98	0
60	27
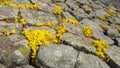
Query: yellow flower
39	24
118	29
87	31
38	38
104	26
12	5
35	6
111	11
104	18
6	32
57	10
13	31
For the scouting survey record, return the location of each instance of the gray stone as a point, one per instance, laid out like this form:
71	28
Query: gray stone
2	66
72	4
9	26
83	1
100	35
68	15
45	7
112	32
118	41
16	38
90	61
32	16
56	56
41	28
101	12
21	2
117	20
114	53
79	41
27	66
64	6
11	12
13	54
94	25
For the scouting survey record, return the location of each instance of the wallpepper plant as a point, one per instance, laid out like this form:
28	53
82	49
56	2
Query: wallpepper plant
101	48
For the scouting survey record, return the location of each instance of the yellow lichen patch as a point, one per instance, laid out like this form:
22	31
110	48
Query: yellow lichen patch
101	48
38	38
57	10
87	31
104	26
6	32
72	21
111	11
104	18
60	30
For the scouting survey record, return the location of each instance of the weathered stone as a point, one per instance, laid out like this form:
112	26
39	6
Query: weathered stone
94	25
90	61
11	12
9	26
41	28
56	56
101	12
16	38
13	54
64	6
112	32
21	2
79	41
45	7
72	4
68	15
100	35
118	41
2	66
27	66
114	53
32	16
117	20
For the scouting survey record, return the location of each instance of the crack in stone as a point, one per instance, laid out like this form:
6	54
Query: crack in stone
110	63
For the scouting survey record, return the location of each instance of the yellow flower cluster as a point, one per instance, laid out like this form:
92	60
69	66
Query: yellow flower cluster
20	20
104	18
111	11
57	10
118	29
20	6
7	3
72	21
24	6
7	32
37	38
60	30
104	26
50	24
101	48
87	31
